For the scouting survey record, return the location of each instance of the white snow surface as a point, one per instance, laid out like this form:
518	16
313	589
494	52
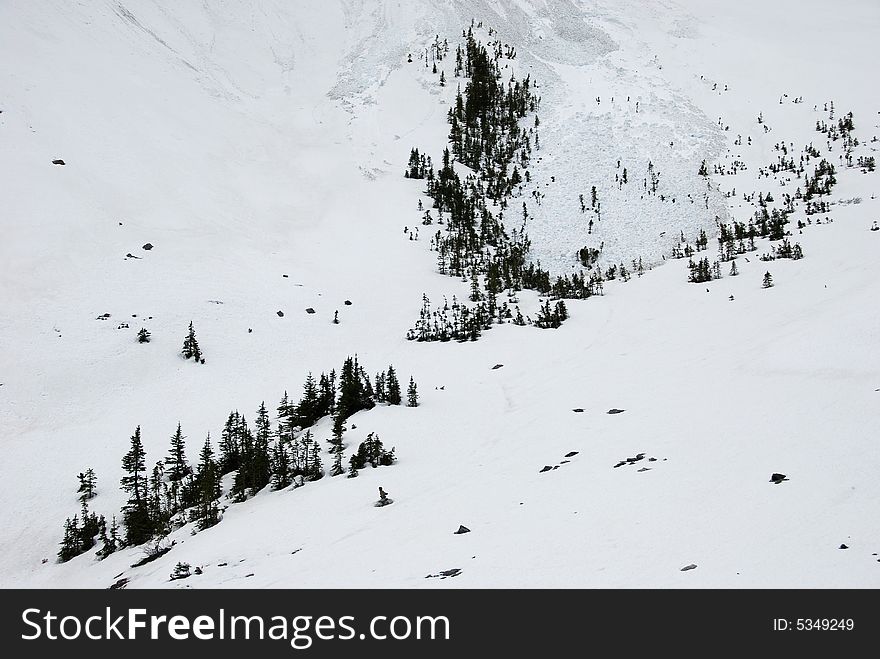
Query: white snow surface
251	139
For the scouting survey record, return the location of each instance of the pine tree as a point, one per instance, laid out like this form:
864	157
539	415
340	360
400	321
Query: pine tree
87	483
768	280
262	464
282	475
136	514
176	460
412	396
733	269
111	543
143	335
191	345
230	455
70	543
207	481
392	387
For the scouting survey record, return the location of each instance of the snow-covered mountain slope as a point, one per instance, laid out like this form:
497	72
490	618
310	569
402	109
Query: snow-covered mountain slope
259	147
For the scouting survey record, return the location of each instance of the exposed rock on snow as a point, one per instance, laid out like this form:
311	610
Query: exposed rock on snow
462	529
778	478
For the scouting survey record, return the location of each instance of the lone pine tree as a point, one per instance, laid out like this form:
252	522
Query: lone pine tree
87	482
768	280
143	335
191	346
412	395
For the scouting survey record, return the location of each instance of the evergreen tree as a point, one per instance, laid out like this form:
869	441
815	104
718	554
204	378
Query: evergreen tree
191	345
176	460
768	280
370	452
282	474
87	483
136	514
111	543
143	335
262	464
392	387
230	458
207	479
412	396
70	543
336	451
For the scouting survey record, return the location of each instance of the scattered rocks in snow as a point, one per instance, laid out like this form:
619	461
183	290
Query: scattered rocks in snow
129	255
842	546
280	313
545	468
384	499
347	303
285	276
310	310
197	570
578	409
571	454
778	478
497	366
645	469
250	330
614	410
119	585
462	529
58	161
296	550
454	572
222	564
103	316
248	575
692	566
147	246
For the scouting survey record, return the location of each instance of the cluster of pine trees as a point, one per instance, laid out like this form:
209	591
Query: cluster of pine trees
488	134
173	492
419	165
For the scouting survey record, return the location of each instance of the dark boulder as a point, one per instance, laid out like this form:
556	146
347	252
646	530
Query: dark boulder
462	529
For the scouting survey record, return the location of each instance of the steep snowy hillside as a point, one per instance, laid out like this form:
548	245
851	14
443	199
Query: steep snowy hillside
258	147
